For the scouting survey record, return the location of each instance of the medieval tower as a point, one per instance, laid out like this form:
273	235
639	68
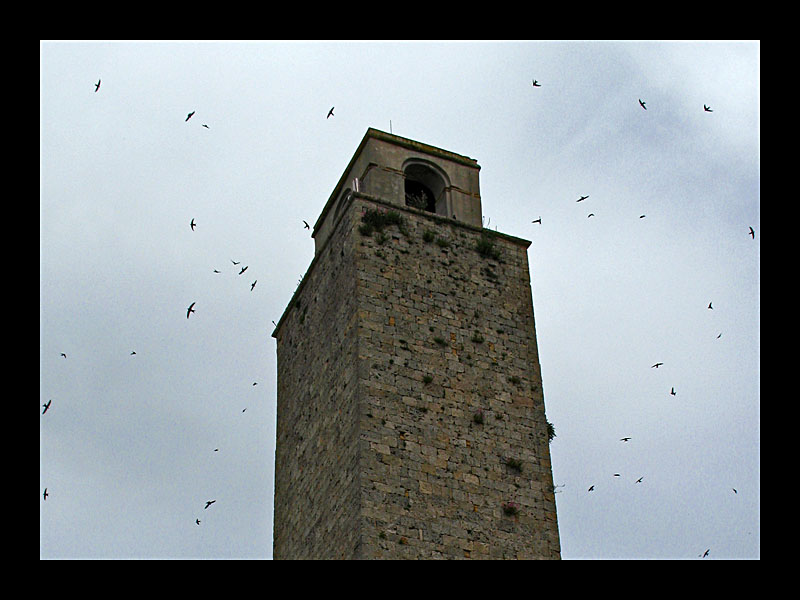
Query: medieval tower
410	417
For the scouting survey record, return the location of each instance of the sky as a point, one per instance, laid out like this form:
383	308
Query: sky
665	270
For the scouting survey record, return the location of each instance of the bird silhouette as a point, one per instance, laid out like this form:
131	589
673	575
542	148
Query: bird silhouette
243	270
589	215
234	262
306	224
46	406
641	216
253	285
642	103
192	225
133	352
625	439
255	383
206	126
330	112
536	83
97	86
752	233
639	480
707	108
209	503
244	409
734	490
616	474
672	392
655	366
215	271
64	355
720	335
197	521
710	307
45	494
705	553
539	221
190	310
581	198
189	116
590	489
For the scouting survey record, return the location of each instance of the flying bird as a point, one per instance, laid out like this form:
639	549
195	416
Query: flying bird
216	449
539	221
253	285
306	224
640	479
642	103
581	198
655	366
641	216
215	271
705	553
734	490
46	406
192	225
591	488
243	270
206	126
707	108
616	474
672	392
64	355
197	521
234	262
133	352
255	383
536	83
244	409
45	494
752	233
625	439
190	310
209	503
590	215
720	335
189	116
710	307
96	86
330	112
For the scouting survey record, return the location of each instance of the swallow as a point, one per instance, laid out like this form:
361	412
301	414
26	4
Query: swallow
734	490
539	221
190	310
720	335
216	449
243	270
306	225
616	474
189	116
625	439
133	352
206	126
642	103
590	489
330	112
274	323
209	503
215	271
672	393
581	198
655	366
96	86
197	521
705	553
46	406
707	108
244	409
253	285
589	215
255	383
710	307
64	355
45	494
640	479
752	233
192	224
641	216
536	83
234	262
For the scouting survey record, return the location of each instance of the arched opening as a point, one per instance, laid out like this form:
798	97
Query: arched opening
424	187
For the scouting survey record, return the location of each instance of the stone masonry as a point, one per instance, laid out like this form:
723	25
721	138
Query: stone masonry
411	420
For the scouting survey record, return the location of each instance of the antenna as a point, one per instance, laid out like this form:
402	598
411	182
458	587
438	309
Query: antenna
390	126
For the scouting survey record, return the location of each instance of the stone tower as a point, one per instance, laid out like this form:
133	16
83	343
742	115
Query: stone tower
410	417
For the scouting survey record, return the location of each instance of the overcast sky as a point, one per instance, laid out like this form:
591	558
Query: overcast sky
134	445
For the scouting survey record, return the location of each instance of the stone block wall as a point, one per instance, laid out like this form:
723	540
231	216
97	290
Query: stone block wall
410	402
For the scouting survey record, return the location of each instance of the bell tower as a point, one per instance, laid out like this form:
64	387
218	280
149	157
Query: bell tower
410	419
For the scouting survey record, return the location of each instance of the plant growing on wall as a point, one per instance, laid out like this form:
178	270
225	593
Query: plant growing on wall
510	508
478	417
514	463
